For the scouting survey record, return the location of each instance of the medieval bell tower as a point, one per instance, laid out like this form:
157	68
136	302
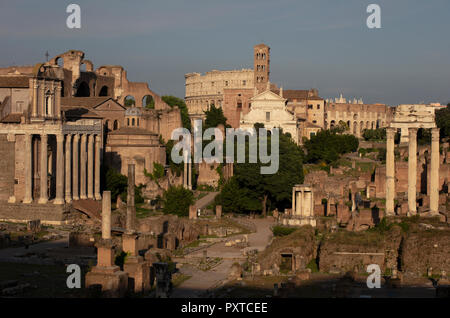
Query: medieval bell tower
261	66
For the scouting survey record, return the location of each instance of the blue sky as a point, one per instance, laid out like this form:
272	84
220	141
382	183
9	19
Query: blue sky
316	43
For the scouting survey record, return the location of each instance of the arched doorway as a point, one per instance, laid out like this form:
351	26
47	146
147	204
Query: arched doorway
103	91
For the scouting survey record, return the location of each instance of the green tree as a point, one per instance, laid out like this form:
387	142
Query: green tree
326	146
443	121
374	134
251	191
116	183
177	200
178	102
214	117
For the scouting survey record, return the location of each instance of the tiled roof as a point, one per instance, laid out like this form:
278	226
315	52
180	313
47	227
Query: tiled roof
12	118
14	82
79	112
88	102
131	131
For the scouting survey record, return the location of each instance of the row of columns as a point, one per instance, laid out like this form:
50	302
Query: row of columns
412	171
76	160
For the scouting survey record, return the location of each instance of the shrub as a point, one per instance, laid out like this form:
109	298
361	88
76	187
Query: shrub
282	230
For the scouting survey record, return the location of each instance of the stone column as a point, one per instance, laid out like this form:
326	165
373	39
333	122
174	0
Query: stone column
189	181
412	171
298	203
98	144
57	106
131	210
59	199
28	198
35	98
68	168
90	180
75	166
42	100
44	171
390	171
185	175
293	201
434	178
106	215
83	167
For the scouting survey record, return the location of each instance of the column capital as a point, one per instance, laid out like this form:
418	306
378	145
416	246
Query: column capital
76	137
59	137
390	132
412	131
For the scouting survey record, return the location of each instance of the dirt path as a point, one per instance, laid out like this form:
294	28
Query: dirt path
207	199
201	281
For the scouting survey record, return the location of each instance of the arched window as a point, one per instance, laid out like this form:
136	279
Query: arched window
129	101
128	121
148	102
48	103
116	125
137	122
132	122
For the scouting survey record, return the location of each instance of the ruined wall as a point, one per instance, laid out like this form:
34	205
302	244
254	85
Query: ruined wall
7	165
208	174
426	249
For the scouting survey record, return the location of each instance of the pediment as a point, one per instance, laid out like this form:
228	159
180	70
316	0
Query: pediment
267	95
109	105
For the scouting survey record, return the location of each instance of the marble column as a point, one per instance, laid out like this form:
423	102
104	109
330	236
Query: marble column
44	171
185	175
131	209
189	174
106	215
75	167
68	168
83	167
28	198
59	199
90	172
390	171
98	143
412	171
434	171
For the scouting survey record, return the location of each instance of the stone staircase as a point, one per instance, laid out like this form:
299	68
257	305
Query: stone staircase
92	208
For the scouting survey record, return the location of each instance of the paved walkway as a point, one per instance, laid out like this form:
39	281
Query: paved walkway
201	281
206	200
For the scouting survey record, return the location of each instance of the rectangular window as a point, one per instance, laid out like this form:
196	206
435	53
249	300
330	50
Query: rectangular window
310	106
239	105
244	82
318	106
267	116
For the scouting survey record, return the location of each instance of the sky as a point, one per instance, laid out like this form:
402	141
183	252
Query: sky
323	44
